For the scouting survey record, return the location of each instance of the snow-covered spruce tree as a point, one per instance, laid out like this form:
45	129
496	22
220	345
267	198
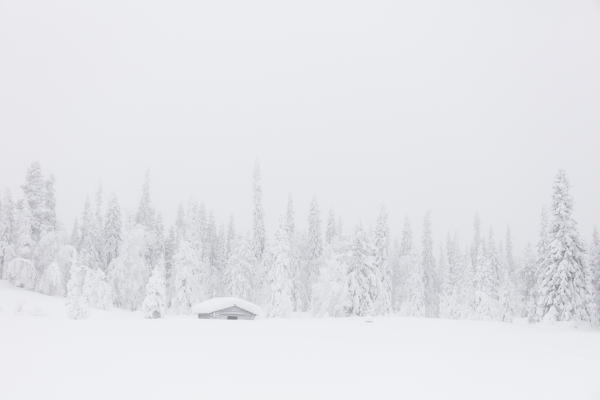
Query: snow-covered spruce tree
400	263
258	217
594	264
330	292
220	250
96	289
238	282
413	302
46	250
564	284
97	233
195	227
298	290
49	222
542	251
85	246
180	224
112	230
279	282
20	270
428	265
290	217
383	302
75	237
76	305
509	258
189	273
52	280
314	248
230	240
363	281
446	281
330	231
21	273
7	233
129	272
506	288
23	241
487	303
154	304
145	213
34	190
461	305
477	244
525	280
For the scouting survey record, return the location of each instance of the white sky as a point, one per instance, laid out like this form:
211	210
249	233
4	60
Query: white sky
458	107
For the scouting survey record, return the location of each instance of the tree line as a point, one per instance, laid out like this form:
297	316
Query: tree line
136	262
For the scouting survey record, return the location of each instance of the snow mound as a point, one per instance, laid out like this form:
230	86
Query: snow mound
16	301
219	303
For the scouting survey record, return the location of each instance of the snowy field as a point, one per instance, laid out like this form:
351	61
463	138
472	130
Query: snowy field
118	355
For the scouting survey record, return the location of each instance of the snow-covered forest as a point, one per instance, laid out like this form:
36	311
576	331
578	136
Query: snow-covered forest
133	260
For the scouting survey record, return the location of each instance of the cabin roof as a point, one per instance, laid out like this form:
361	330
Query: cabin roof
220	303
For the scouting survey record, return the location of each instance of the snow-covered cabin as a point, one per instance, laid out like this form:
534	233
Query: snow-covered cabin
226	308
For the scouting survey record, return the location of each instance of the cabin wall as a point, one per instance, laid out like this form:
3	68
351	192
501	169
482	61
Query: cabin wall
236	312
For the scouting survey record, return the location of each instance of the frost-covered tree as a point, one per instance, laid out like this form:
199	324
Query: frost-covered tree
487	304
314	248
290	217
45	254
7	232
49	222
477	244
154	304
330	231
330	292
34	191
22	273
564	284
383	303
446	277
525	281
542	251
594	263
509	258
85	246
96	289
238	279
315	241
52	280
112	230
400	266
458	292
129	272
180	224
230	240
406	241
414	302
145	212
363	282
76	305
429	269
75	237
279	281
258	217
189	273
23	241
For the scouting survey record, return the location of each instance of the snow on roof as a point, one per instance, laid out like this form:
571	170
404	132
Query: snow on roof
219	303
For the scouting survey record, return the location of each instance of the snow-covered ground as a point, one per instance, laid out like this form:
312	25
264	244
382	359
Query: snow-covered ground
118	355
